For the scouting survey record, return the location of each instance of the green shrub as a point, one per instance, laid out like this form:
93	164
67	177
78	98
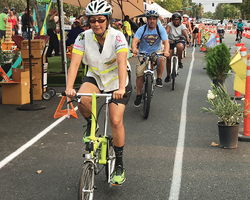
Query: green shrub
218	59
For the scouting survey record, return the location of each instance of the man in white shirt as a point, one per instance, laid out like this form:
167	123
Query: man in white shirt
221	28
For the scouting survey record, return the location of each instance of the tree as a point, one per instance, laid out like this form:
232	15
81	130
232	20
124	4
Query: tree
208	15
171	5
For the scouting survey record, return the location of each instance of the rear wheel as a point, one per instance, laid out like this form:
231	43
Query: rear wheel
173	75
110	165
86	186
220	38
147	95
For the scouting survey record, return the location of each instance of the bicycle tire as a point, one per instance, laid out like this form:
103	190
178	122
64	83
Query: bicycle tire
110	156
173	75
239	39
87	182
147	95
220	39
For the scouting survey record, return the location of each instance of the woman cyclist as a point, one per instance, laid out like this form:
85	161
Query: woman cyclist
105	50
239	28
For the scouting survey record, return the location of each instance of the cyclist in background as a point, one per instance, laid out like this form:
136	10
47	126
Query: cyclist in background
239	28
150	37
176	32
221	27
105	50
187	23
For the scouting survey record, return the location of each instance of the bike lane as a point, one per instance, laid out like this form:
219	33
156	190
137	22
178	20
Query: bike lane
210	172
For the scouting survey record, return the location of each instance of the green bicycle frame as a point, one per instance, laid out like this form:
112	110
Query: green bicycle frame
97	140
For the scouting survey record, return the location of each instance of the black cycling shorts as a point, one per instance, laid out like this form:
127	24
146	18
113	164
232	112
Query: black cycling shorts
128	89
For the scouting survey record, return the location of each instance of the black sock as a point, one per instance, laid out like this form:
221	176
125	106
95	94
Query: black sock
88	120
118	154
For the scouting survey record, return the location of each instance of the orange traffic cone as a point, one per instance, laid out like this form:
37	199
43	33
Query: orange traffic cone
247	100
217	39
203	48
244	33
59	112
231	31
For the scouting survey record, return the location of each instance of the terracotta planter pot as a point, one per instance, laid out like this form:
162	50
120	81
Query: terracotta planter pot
228	135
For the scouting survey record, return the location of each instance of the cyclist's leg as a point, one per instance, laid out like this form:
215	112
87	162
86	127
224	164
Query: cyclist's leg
139	83
87	87
160	68
168	64
116	120
180	47
237	34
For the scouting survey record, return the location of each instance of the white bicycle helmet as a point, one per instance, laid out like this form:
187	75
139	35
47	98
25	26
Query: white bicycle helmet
98	7
185	15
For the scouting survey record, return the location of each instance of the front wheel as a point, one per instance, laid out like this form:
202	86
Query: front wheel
147	95
86	186
173	75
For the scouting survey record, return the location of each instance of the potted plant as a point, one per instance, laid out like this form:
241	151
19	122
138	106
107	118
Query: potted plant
229	112
217	63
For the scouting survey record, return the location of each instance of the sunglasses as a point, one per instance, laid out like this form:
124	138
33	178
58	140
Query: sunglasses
100	21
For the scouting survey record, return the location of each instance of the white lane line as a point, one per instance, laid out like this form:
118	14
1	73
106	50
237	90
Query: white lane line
177	171
32	141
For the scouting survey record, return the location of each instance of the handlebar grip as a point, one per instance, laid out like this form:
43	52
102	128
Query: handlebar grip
63	94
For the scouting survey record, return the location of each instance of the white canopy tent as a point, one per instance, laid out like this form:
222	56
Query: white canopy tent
162	12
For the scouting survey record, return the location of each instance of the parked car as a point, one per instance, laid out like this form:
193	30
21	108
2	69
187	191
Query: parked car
247	25
208	22
225	21
235	22
215	22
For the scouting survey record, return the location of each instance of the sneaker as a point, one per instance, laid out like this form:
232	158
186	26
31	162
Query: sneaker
158	82
236	39
137	101
119	175
167	79
180	65
195	45
88	129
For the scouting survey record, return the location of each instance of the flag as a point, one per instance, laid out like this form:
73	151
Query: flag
239	65
42	29
212	41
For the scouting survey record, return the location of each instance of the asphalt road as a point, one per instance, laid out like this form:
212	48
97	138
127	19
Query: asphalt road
201	172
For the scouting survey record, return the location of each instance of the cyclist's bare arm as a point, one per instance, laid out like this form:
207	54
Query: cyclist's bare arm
134	44
72	72
122	74
166	48
185	33
168	29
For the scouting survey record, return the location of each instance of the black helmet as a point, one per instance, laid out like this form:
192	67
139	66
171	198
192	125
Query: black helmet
5	10
221	21
176	15
13	8
152	13
240	19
